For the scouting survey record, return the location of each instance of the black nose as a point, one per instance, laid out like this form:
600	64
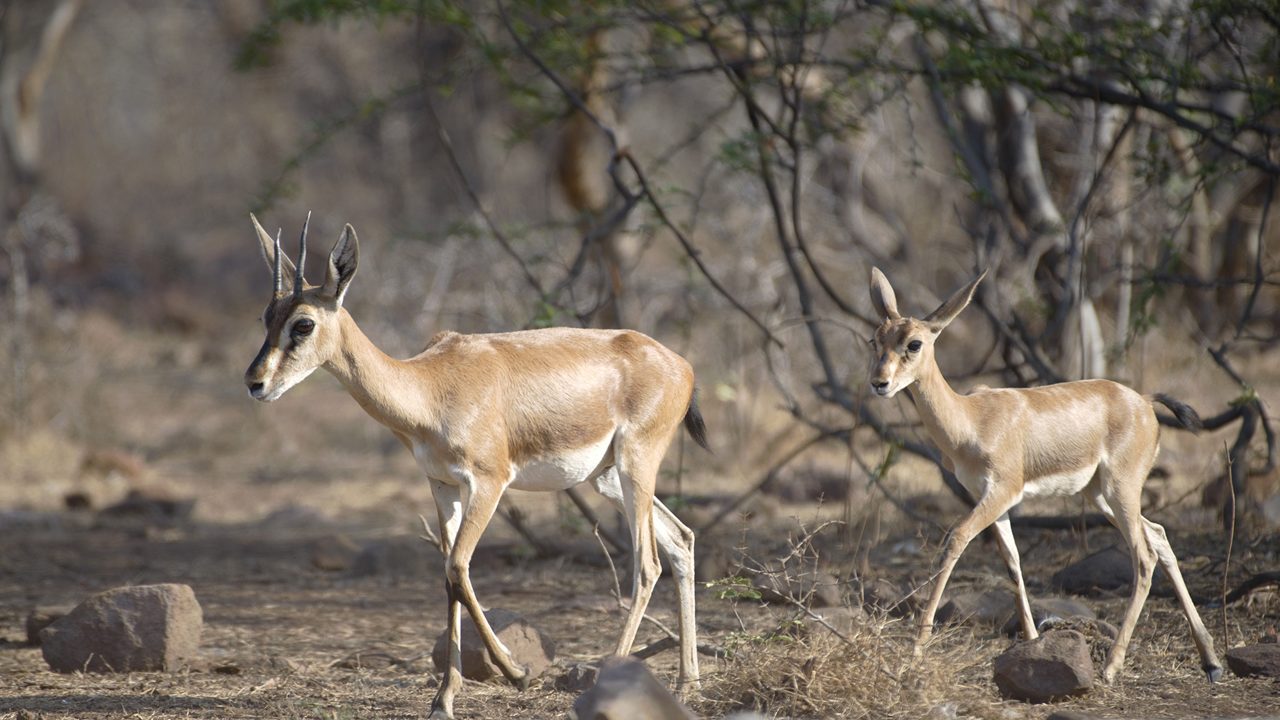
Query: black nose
255	389
879	384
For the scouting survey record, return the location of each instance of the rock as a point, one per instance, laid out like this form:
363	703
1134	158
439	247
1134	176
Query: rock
716	561
397	558
844	619
528	646
1260	660
333	553
989	608
128	629
41	617
627	690
811	486
151	506
811	588
884	595
1050	609
1106	570
1270	510
579	678
1055	665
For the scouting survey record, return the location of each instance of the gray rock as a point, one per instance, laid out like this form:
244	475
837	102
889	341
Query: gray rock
811	588
128	629
1043	609
397	558
333	553
1260	660
41	617
579	678
151	506
884	595
988	608
627	690
1107	570
529	647
1055	665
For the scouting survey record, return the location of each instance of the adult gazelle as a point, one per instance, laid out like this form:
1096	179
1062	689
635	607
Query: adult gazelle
1092	437
532	410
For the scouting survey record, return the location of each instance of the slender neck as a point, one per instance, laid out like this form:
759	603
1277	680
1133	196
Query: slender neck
372	377
942	409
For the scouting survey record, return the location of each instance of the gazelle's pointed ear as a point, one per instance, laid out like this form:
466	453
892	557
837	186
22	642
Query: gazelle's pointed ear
882	297
947	311
342	264
268	246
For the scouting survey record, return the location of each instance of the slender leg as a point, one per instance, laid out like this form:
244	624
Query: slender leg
1004	534
448	500
675	540
990	507
477	511
637	473
1204	641
1131	528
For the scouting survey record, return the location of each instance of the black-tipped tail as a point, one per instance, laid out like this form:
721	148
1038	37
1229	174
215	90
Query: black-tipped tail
1187	417
694	424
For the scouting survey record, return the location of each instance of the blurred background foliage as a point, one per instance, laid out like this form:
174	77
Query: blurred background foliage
720	175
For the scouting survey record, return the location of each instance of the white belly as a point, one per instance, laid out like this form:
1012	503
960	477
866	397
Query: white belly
1068	483
565	469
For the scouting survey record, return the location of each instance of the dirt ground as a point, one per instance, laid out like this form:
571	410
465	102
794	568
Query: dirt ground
284	638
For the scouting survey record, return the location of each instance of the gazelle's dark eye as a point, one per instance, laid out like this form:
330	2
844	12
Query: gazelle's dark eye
303	327
913	346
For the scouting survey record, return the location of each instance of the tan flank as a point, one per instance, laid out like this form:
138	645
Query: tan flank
1092	437
532	410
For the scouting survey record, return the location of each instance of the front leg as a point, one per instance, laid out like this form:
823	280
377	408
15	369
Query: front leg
477	511
996	501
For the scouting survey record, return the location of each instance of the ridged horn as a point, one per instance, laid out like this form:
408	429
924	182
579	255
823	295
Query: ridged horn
276	280
302	256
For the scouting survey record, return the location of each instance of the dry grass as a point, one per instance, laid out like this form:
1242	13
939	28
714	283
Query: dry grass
867	673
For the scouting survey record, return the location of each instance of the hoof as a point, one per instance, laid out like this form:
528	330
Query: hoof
439	713
522	681
1214	674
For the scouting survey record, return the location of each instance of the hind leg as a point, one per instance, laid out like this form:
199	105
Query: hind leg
1121	508
1204	641
675	541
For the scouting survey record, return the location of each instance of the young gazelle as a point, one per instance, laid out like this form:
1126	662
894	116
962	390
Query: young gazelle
533	410
1094	437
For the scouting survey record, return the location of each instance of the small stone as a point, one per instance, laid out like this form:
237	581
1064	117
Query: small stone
1107	570
987	608
1260	660
627	690
397	558
811	588
41	617
528	646
151	506
333	553
844	619
1056	665
579	678
1051	609
884	595
128	629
